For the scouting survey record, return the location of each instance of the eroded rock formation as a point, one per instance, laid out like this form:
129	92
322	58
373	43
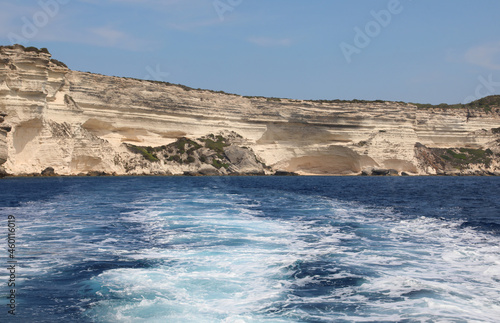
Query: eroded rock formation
79	123
4	129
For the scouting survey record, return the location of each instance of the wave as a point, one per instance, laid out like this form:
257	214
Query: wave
215	253
320	260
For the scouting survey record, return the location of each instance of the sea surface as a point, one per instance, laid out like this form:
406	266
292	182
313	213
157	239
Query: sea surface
252	249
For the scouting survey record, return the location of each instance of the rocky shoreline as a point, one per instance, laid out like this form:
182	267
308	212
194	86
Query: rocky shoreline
373	173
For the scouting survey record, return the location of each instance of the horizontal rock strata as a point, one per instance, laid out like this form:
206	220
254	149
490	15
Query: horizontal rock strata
78	123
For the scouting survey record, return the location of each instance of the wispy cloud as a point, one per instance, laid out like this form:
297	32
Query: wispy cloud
63	25
194	24
107	36
69	26
180	15
270	42
140	2
487	55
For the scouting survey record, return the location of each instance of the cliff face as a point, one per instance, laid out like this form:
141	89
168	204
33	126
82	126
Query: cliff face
79	122
4	129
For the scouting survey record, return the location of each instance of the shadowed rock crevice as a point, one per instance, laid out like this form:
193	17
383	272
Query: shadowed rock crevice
25	132
4	129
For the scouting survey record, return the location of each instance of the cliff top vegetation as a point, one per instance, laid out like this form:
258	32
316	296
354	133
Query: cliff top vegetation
488	104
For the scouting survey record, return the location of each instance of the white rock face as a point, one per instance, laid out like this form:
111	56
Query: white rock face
79	122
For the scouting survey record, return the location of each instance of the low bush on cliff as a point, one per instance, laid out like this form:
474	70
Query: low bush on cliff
466	156
146	152
356	101
217	144
36	50
175	158
439	106
27	49
218	164
181	144
176	151
58	63
487	104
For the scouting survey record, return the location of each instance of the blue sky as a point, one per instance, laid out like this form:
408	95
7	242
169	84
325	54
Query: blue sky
427	51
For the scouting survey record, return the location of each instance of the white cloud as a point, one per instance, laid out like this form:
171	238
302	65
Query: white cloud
487	55
107	36
141	2
18	24
191	25
66	25
167	6
21	23
181	15
270	42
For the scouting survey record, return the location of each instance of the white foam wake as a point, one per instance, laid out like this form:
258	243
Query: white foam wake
223	261
205	256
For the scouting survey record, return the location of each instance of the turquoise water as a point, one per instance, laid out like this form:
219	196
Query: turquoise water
253	249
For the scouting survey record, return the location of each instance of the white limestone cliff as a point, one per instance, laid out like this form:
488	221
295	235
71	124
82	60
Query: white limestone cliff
78	122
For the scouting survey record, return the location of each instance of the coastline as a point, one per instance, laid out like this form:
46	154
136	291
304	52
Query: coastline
56	121
488	174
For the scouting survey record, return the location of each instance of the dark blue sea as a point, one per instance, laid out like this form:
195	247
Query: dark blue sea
252	249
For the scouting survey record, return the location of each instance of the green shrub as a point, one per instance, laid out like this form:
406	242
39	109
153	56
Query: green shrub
58	63
218	164
175	158
217	146
466	156
31	49
181	144
146	152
